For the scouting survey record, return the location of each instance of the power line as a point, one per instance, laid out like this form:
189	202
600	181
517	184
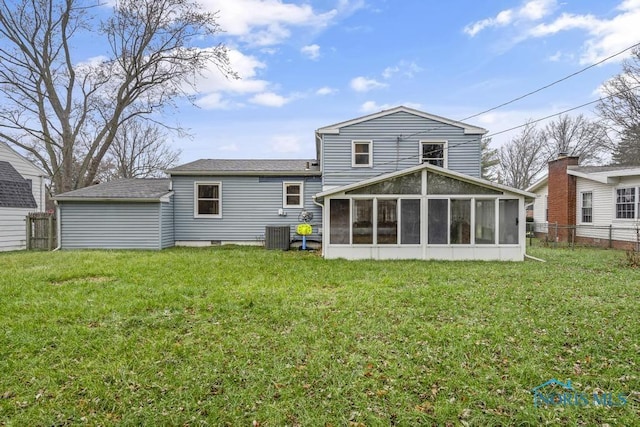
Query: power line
500	132
537	90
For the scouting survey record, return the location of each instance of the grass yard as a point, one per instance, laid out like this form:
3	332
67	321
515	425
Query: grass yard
244	336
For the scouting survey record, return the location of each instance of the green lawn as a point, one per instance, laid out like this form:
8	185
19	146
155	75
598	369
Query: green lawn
229	336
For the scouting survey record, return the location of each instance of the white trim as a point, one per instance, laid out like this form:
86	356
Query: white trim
445	150
581	207
195	199
286	184
335	128
353	153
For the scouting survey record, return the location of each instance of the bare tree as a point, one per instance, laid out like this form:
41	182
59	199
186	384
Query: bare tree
523	158
139	150
620	105
576	136
67	114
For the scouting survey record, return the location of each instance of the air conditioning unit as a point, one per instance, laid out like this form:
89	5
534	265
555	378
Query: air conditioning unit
277	237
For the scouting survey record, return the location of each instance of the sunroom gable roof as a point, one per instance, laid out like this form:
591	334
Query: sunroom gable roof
429	167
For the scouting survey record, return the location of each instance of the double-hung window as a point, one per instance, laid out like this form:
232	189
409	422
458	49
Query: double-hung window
362	154
292	195
208	196
626	203
434	152
587	207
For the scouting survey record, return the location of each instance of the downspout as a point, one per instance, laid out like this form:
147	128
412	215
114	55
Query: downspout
533	258
58	226
313	199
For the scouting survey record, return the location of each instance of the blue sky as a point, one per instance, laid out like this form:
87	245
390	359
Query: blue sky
307	64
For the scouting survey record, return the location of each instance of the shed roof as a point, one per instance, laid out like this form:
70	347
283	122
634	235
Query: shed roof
248	167
134	189
15	191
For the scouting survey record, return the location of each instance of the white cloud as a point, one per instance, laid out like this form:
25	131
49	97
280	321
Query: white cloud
404	68
269	99
326	90
606	36
311	51
266	22
230	147
363	84
373	107
531	10
285	144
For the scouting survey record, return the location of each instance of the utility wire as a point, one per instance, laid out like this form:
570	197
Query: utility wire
500	132
537	90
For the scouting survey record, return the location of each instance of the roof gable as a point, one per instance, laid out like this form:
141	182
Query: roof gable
440	171
15	191
335	128
19	161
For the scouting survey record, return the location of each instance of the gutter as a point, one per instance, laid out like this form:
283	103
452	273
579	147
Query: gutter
58	226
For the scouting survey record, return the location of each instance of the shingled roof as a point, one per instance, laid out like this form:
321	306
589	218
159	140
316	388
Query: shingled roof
15	191
248	167
142	189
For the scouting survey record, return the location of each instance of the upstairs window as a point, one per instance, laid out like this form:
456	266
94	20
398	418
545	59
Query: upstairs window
207	199
434	152
625	203
587	208
292	195
362	155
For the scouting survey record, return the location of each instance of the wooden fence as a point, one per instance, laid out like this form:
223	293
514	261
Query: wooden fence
41	231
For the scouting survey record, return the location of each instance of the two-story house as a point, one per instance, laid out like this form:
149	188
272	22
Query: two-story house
400	183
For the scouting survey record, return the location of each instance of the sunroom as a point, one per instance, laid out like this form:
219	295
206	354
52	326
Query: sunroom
424	212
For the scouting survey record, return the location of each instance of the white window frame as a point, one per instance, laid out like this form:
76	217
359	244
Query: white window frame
285	186
195	199
445	150
353	153
635	203
583	207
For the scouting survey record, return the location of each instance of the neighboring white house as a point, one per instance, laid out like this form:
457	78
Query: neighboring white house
602	203
22	190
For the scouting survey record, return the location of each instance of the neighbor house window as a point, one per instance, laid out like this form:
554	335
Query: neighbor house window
625	203
207	199
292	195
362	155
587	208
434	153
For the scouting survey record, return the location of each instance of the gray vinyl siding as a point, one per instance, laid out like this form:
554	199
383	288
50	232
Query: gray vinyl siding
389	154
13	234
249	204
109	225
166	224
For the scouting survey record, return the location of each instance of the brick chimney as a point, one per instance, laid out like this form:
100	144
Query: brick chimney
562	195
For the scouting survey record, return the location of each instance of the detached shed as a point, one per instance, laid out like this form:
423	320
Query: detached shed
123	214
